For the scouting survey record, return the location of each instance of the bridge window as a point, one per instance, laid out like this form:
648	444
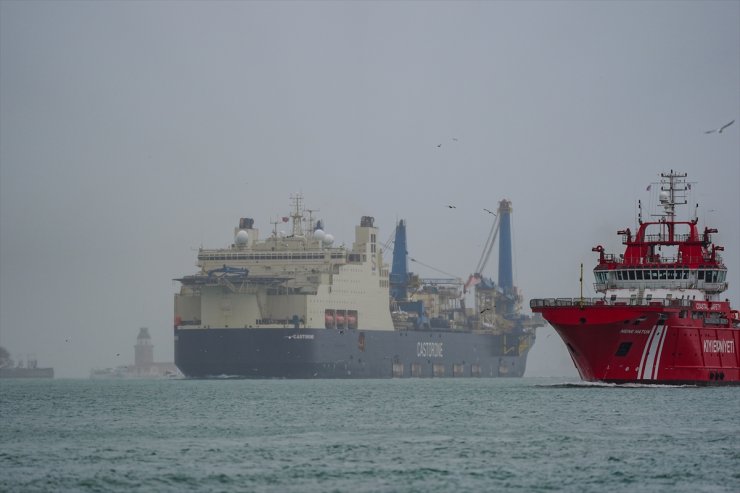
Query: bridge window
632	275
639	275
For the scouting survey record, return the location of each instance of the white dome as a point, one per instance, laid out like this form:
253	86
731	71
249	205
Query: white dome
663	196
242	237
328	239
319	234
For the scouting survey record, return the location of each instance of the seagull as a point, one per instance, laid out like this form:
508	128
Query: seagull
439	145
452	207
719	130
490	212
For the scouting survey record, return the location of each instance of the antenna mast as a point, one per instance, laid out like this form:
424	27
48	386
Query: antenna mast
297	214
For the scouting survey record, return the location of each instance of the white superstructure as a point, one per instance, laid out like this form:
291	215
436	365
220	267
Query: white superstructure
299	280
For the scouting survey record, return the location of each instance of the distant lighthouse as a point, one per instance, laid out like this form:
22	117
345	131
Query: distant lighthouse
143	351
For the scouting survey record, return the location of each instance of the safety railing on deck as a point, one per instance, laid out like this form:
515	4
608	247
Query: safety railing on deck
658	260
548	302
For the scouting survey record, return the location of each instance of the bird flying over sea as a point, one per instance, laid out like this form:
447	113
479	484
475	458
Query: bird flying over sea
719	130
452	207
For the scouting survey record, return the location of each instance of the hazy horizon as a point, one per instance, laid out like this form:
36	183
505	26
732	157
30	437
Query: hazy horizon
132	133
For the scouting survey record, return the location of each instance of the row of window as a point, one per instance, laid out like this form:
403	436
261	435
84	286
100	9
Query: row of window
712	276
268	256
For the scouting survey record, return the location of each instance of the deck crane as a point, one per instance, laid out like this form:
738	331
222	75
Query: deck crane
496	300
441	302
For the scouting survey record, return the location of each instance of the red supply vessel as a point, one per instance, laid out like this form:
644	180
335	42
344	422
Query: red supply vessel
660	318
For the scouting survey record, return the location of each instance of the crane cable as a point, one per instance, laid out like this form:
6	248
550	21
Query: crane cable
435	269
488	248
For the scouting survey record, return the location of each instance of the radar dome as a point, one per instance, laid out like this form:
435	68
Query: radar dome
328	239
242	237
319	234
663	196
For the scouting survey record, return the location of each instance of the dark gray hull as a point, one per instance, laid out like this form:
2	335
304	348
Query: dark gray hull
326	353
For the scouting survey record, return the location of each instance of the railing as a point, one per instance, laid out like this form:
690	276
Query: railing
659	260
711	287
663	238
548	302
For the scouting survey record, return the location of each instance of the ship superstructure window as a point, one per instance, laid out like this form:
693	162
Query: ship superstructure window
712	276
268	256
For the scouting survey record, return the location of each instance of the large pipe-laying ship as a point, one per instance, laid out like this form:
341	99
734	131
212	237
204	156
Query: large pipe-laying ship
296	306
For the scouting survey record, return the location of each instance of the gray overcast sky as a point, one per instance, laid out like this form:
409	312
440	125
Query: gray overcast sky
133	132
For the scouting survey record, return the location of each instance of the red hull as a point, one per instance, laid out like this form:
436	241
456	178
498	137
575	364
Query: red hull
647	344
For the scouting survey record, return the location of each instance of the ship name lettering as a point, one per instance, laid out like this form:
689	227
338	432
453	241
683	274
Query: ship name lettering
429	349
702	306
634	331
719	346
301	336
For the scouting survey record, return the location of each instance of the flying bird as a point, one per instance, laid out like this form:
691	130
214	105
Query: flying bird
452	207
490	212
484	310
454	139
720	129
439	145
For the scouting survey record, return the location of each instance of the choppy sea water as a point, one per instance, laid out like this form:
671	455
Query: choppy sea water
365	436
